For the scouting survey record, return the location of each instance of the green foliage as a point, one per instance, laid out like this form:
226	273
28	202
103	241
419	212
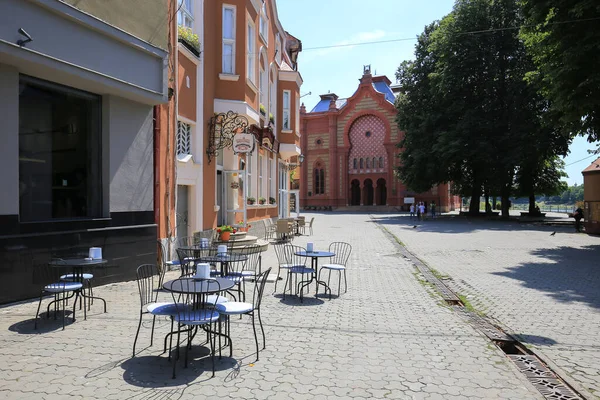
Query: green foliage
188	36
263	110
563	36
469	115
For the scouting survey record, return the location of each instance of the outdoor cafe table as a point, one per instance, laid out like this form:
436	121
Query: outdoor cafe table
314	264
77	266
199	288
205	255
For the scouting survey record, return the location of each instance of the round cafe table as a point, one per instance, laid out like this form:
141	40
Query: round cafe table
204	286
314	264
77	266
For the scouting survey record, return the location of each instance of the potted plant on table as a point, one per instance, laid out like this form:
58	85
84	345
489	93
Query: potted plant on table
262	200
250	200
225	232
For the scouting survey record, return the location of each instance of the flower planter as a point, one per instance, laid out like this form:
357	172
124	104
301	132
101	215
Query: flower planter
225	236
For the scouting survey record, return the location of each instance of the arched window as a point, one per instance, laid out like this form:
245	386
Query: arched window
368	163
355	163
380	162
319	181
362	163
374	162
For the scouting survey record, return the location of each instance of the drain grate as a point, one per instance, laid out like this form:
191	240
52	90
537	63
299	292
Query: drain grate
536	372
483	325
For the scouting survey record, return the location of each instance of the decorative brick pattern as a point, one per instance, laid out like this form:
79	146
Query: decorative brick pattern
367	147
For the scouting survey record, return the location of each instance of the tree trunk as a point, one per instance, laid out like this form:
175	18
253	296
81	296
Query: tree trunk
531	204
504	200
475	198
494	202
487	201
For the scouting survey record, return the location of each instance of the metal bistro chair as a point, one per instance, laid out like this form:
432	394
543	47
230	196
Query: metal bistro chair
297	266
284	230
147	276
61	291
241	308
249	268
338	263
301	225
310	226
187	259
191	316
281	261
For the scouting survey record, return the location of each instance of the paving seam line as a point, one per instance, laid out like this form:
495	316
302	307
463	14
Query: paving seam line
539	373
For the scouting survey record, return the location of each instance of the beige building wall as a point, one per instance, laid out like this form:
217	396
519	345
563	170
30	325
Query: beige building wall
145	19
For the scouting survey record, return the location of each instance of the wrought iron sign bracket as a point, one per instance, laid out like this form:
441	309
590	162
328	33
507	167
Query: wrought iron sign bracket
221	129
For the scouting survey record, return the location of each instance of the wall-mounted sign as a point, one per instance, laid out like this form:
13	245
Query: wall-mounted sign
266	142
409	200
243	143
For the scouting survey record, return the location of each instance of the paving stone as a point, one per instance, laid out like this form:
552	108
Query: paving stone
389	336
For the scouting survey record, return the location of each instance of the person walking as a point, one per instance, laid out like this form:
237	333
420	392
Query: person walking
412	211
422	210
578	215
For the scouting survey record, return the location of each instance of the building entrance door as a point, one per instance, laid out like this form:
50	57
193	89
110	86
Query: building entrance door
355	193
381	192
368	193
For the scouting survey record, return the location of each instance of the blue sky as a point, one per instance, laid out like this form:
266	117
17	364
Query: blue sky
319	23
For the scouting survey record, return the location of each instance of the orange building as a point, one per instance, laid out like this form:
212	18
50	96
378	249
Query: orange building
243	79
351	152
591	197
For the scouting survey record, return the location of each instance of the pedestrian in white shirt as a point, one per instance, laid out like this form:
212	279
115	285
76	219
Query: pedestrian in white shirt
412	211
422	210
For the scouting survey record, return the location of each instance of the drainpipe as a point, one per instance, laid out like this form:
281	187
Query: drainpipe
156	126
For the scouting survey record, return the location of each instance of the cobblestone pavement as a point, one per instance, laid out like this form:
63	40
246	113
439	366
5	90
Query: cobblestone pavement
543	288
389	336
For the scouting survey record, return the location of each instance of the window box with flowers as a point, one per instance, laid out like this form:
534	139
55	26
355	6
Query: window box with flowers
250	200
189	40
225	232
263	110
272	200
262	200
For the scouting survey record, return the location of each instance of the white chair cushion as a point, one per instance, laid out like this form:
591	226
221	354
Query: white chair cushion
234	307
197	317
296	269
337	267
214	299
70	277
285	266
242	273
63	287
164	308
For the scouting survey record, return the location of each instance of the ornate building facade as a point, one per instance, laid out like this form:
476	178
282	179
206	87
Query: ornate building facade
351	152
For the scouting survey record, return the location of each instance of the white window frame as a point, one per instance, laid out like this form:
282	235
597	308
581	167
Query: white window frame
261	189
251	50
297	108
263	82
286	111
228	41
264	24
249	174
273	97
272	172
278	49
184	138
185	15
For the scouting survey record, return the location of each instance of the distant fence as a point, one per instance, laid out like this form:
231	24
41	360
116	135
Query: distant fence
557	208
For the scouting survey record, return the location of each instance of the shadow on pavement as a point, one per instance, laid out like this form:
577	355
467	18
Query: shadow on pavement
156	371
465	224
535	340
293	300
44	324
567	274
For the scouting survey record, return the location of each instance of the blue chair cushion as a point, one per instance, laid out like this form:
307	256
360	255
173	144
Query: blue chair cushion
234	307
296	269
70	277
337	267
63	287
197	317
164	308
214	299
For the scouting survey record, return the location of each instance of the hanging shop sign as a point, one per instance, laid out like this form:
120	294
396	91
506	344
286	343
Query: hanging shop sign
243	143
267	143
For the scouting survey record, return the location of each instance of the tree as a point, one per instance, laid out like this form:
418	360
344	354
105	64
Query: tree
468	113
563	37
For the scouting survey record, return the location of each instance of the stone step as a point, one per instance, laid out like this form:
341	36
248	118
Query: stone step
238	246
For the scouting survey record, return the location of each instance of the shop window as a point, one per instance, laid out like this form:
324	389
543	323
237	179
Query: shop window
59	152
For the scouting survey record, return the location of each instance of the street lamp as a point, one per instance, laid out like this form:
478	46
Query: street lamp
293	166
